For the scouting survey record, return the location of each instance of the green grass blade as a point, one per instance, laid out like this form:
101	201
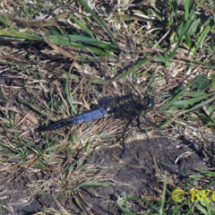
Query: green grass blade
201	39
133	69
69	95
6	21
174	99
92	45
83	26
98	20
198	106
19	35
66	40
31	106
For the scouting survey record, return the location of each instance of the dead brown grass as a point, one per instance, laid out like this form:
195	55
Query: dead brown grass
42	81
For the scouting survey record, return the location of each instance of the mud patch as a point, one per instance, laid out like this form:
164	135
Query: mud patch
138	174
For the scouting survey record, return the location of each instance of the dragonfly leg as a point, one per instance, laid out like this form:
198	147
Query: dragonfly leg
123	136
150	122
138	125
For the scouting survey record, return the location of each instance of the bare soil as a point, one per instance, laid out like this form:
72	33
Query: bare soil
137	173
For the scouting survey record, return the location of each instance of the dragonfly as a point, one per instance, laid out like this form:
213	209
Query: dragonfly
124	107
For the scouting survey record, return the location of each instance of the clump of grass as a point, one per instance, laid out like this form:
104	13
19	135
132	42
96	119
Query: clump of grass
58	59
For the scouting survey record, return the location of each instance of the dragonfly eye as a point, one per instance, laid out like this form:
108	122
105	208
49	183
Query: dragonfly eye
109	109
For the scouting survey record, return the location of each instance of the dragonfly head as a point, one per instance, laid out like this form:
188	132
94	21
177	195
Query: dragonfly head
146	104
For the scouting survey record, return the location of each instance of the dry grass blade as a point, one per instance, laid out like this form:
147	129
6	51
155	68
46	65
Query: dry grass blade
59	59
